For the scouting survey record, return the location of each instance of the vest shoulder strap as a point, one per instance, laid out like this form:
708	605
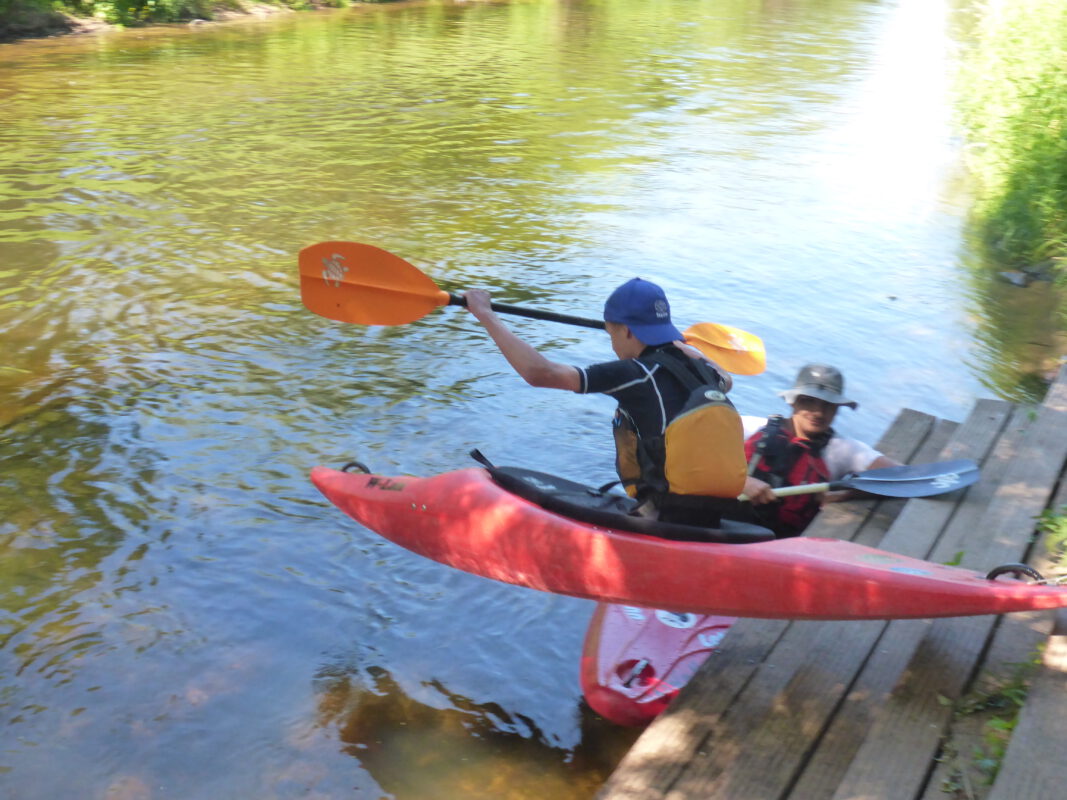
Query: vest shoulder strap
702	373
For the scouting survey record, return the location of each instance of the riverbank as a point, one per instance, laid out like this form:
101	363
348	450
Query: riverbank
19	21
35	23
1012	109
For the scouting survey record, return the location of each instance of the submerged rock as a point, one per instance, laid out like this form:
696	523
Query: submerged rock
1016	277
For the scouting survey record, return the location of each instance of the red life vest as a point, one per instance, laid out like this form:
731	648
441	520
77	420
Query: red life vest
789	460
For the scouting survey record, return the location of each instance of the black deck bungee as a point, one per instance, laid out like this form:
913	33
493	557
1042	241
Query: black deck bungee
604	509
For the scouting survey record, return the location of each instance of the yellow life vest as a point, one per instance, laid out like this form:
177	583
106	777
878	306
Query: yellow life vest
702	450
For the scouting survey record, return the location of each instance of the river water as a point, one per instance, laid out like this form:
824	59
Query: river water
183	615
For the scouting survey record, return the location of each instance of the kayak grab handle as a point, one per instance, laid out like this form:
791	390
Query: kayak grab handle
1018	570
356	465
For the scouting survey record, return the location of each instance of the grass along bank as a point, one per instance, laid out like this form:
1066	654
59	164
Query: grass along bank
1014	114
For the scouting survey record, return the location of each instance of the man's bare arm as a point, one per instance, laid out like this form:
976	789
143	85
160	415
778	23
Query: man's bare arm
531	365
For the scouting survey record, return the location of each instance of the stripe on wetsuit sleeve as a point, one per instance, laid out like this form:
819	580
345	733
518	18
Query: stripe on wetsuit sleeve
584	380
647	377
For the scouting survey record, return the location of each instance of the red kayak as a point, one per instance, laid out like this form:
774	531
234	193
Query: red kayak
467	519
635	660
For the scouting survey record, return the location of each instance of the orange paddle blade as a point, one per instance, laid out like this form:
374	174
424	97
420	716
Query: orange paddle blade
735	350
363	284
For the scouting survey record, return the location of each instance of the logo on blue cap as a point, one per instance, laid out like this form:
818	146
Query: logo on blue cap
642	306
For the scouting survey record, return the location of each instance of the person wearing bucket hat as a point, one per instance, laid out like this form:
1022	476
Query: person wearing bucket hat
802	448
822	382
642	380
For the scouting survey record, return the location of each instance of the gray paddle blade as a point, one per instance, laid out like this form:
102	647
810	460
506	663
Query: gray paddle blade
920	480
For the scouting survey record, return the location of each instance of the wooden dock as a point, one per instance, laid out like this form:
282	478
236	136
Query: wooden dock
881	710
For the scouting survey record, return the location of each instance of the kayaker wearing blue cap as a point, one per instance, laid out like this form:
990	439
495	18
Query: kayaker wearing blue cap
803	448
638	319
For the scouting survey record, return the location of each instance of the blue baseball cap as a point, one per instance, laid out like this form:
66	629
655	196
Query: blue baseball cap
642	306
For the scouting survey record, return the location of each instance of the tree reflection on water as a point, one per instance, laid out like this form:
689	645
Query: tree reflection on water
460	748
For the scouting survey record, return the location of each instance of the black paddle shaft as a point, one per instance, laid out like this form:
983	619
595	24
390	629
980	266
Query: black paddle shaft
532	313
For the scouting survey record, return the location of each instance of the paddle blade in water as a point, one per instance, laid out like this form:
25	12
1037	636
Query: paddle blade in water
365	285
735	350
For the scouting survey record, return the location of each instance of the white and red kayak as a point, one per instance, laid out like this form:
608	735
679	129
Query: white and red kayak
467	519
635	660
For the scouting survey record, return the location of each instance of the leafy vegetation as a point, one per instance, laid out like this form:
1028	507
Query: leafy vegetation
17	14
1014	111
1053	524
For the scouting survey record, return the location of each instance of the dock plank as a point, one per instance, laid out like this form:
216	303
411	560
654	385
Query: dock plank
1015	639
895	651
897	753
1033	767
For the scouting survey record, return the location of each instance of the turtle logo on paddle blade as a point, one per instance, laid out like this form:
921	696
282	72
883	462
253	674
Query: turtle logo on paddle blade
335	270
